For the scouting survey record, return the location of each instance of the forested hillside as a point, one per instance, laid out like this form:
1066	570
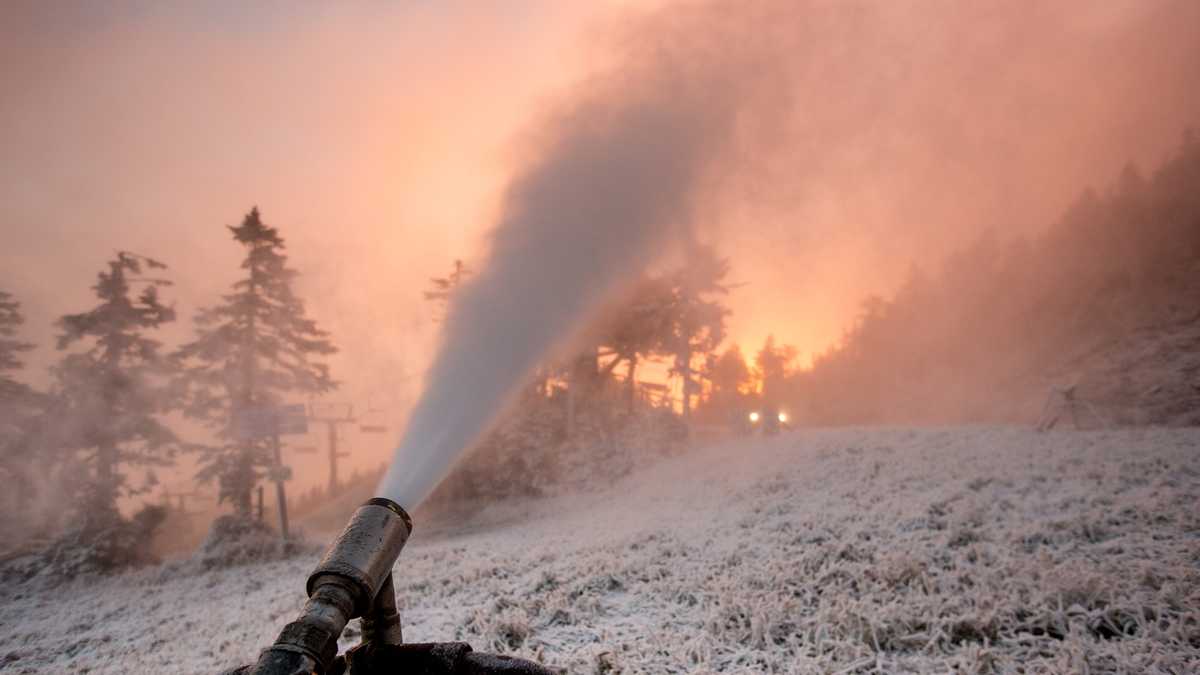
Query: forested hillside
1107	298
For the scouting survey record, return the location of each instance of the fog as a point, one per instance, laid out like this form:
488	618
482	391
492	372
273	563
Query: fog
615	178
825	146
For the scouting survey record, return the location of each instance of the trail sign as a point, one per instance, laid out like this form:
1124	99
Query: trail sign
270	421
267	420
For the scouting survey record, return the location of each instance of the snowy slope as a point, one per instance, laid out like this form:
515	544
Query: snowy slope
1151	376
886	550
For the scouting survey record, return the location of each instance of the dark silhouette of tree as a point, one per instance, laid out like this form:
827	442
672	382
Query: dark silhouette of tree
698	318
253	349
110	398
731	388
636	328
729	375
772	366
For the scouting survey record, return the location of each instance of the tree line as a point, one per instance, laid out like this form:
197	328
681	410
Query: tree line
973	343
1081	303
978	341
585	415
102	428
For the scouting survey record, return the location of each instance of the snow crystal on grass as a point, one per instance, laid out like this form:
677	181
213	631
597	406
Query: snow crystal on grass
853	551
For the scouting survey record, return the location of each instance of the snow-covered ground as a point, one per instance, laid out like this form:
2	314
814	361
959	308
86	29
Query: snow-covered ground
839	551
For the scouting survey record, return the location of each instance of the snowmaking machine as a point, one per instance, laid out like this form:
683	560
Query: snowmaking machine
769	422
354	580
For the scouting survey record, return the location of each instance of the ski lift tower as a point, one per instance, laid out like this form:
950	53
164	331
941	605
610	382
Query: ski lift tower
334	414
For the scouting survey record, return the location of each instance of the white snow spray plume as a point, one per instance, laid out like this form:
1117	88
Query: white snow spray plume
614	171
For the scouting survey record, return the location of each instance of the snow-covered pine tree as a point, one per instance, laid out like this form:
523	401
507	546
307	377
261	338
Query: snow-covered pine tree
254	348
109	398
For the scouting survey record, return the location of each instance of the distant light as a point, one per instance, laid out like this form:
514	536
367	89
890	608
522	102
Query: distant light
753	417
783	417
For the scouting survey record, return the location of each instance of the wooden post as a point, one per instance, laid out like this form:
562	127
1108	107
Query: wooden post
333	458
260	503
279	490
572	382
685	368
631	384
581	385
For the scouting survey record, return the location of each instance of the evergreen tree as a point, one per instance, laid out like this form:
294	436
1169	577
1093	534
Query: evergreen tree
111	396
698	325
18	406
637	328
253	349
773	365
11	321
731	380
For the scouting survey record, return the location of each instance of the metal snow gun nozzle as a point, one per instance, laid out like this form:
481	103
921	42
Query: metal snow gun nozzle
354	580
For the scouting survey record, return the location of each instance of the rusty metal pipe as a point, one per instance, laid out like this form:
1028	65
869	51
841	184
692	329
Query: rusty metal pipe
381	624
350	581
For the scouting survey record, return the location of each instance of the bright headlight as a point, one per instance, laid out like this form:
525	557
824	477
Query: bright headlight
782	417
753	417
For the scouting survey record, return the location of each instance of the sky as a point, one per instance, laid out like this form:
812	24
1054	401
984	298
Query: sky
379	138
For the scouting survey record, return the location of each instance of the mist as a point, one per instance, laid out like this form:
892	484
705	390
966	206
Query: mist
613	182
806	301
384	144
831	118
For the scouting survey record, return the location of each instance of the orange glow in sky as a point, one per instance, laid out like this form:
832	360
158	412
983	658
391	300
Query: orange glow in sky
379	136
